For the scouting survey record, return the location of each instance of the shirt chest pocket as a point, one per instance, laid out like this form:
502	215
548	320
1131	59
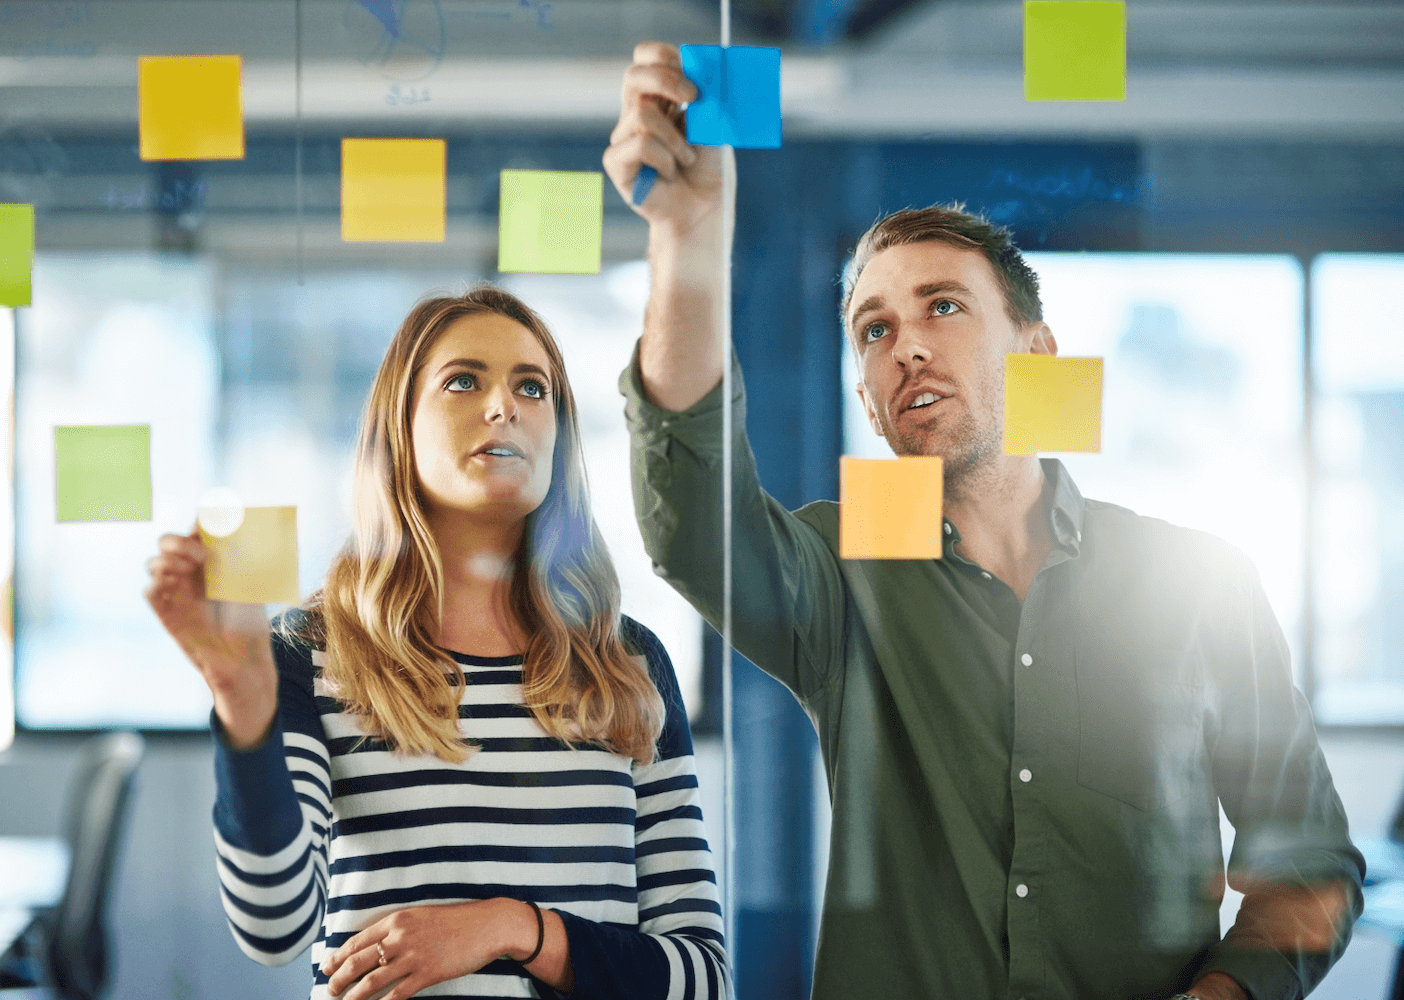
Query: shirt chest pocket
1141	723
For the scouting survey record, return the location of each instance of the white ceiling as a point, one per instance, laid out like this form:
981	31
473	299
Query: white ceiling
1246	69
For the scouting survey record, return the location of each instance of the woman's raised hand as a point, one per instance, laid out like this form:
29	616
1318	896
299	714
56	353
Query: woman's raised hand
650	133
228	643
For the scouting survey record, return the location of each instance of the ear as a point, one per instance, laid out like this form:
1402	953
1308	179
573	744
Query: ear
1043	340
868	409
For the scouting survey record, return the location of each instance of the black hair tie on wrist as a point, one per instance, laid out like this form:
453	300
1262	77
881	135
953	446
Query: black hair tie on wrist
540	934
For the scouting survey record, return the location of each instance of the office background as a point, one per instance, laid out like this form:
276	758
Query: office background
1230	238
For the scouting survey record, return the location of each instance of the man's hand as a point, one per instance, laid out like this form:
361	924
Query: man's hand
425	945
650	133
1217	986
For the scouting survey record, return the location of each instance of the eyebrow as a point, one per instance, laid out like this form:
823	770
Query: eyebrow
873	302
481	366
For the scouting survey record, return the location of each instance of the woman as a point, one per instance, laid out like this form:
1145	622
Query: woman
457	763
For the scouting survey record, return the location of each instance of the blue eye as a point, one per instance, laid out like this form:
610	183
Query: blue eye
874	332
944	302
535	384
468	382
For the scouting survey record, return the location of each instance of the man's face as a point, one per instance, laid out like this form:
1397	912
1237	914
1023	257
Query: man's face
930	329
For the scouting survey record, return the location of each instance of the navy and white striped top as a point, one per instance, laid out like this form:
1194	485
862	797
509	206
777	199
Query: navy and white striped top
321	832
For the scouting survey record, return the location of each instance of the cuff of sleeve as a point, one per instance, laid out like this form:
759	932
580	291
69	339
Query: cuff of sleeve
256	808
698	427
612	962
1264	974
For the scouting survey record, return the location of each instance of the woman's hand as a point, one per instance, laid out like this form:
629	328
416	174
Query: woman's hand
425	945
228	643
649	132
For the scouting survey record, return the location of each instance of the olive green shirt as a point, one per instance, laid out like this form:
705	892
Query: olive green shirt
1025	798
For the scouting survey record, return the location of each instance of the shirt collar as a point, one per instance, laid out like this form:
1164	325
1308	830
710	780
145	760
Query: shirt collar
1065	513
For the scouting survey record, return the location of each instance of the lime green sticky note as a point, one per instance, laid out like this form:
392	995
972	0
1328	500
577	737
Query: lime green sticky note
550	221
1074	50
16	254
103	473
1052	404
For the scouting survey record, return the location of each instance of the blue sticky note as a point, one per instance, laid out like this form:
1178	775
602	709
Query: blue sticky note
738	96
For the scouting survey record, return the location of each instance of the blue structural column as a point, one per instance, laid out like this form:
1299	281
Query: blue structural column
786	338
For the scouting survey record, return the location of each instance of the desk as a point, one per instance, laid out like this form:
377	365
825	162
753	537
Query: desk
33	871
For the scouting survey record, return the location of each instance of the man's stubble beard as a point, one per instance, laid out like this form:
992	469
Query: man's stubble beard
970	454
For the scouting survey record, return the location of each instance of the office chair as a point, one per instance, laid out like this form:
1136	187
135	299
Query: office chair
65	948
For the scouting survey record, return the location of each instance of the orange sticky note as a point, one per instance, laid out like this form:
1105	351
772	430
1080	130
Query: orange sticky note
1052	404
257	564
190	107
394	190
890	508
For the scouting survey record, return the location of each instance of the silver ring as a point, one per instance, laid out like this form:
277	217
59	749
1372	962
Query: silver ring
381	952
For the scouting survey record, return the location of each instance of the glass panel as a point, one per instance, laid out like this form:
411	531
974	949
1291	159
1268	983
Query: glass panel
1201	421
1358	355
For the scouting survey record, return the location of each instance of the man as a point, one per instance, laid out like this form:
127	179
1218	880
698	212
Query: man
1027	741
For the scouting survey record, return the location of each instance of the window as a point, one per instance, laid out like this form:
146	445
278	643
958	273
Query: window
1202	408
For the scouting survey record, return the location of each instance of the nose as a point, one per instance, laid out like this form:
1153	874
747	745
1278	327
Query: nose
501	406
912	350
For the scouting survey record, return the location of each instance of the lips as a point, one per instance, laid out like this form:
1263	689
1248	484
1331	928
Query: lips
922	397
499	449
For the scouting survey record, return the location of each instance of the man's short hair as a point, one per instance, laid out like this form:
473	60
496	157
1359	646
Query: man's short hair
953	226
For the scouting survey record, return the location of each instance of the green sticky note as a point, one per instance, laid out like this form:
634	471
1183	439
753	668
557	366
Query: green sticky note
1074	50
16	254
550	221
104	473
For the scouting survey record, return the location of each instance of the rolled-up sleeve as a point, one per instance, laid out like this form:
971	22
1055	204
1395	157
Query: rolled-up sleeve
789	599
1292	854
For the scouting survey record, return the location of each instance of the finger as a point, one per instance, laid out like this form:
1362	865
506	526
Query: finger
653	121
657	53
624	161
407	987
184	545
348	947
658	82
173	563
353	967
377	979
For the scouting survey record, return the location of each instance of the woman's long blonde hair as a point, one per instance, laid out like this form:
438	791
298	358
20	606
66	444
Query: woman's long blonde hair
378	611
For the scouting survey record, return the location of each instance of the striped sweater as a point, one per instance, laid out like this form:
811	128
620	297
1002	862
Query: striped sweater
320	832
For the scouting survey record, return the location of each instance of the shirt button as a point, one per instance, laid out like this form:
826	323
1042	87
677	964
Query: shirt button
948	529
1026	660
1026	775
1021	890
986	575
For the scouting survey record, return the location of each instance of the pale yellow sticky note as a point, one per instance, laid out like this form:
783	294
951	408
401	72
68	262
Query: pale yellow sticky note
190	107
394	190
1052	404
890	508
257	564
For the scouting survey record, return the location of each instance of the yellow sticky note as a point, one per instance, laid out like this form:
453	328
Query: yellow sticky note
191	107
394	190
1052	404
890	508
1074	50
257	564
103	473
16	254
550	221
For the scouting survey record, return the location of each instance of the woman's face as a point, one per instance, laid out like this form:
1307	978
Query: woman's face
483	421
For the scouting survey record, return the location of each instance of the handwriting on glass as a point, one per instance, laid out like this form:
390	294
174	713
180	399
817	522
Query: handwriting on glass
401	96
180	196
